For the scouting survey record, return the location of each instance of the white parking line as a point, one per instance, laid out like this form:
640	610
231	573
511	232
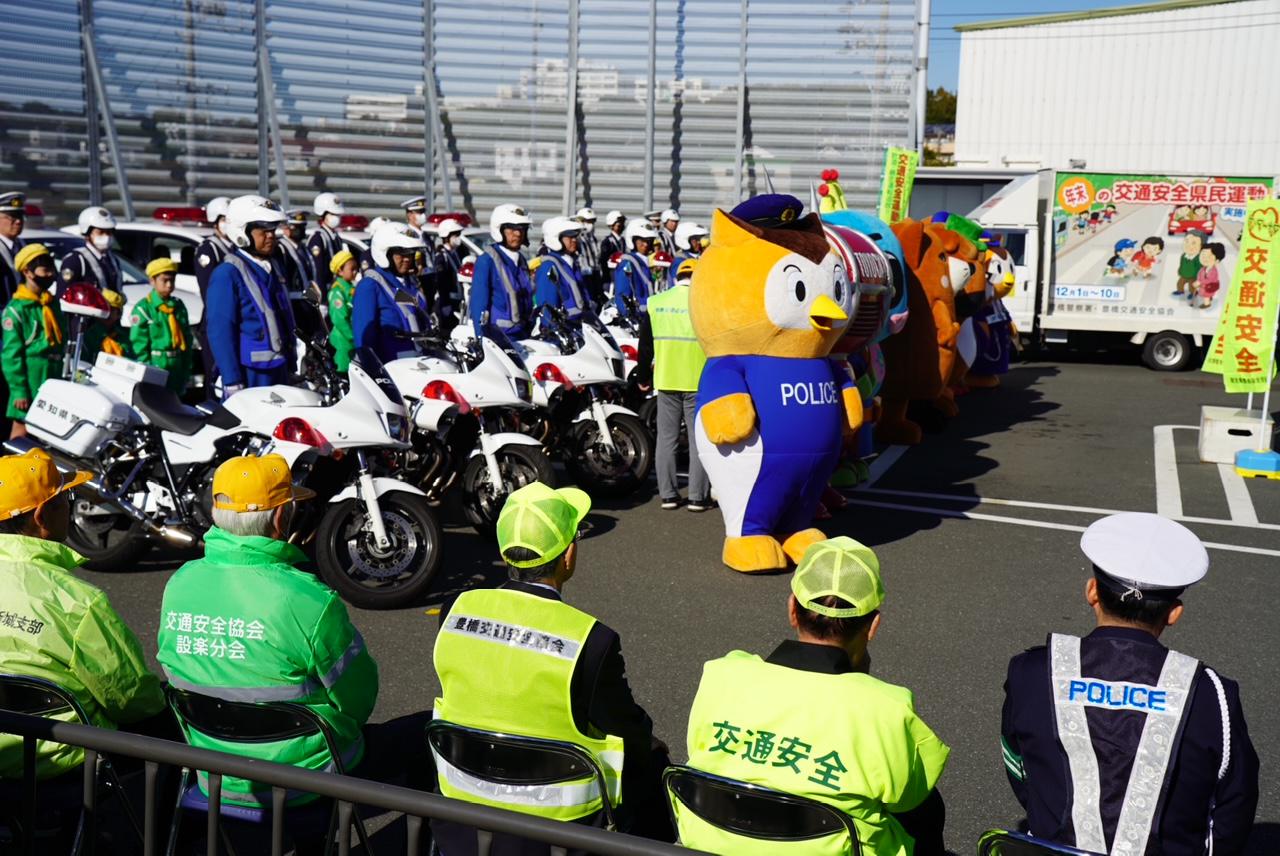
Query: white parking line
1168	491
1038	524
1238	499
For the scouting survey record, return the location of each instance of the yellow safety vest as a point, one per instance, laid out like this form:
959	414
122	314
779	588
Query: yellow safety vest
850	741
677	357
505	660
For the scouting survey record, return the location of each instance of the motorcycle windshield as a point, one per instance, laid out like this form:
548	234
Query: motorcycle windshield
494	334
592	320
368	361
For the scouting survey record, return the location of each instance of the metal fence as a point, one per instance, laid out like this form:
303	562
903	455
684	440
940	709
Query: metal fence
552	103
346	790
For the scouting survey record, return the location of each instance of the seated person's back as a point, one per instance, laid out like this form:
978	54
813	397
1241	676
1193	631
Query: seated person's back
809	721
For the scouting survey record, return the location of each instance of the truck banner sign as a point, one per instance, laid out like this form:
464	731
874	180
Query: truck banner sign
1243	347
895	185
1152	246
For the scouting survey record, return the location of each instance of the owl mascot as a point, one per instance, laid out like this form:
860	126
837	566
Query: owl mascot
768	301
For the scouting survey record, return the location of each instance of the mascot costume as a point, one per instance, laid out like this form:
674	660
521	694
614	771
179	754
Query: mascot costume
920	359
769	299
994	326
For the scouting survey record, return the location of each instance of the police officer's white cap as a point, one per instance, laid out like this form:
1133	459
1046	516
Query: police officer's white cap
670	214
613	217
417	203
216	208
653	215
1146	552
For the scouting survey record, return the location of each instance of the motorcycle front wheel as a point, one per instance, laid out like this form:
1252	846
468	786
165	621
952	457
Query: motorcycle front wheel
519	465
370	577
110	540
610	472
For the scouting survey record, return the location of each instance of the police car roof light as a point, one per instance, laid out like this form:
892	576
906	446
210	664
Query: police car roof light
292	429
83	298
353	222
32	210
550	373
180	214
440	390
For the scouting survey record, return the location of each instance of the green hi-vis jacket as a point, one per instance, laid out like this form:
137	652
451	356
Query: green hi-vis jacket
341	337
244	624
56	626
27	357
850	741
151	339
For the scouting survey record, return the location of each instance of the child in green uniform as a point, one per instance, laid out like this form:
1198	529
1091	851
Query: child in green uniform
344	270
159	333
33	333
106	335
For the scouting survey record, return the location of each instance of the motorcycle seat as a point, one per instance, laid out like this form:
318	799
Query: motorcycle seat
162	408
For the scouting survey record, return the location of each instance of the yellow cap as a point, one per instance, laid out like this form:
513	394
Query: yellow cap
842	567
339	259
114	298
256	484
30	480
541	519
685	271
29	254
158	266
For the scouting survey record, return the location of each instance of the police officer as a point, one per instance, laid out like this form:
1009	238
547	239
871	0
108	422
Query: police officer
447	260
388	303
248	314
558	280
568	684
299	273
588	250
324	242
632	281
415	214
670	220
209	255
94	262
691	240
13	216
611	245
501	291
810	719
1114	743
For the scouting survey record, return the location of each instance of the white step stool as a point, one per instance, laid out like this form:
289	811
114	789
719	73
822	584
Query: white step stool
1226	430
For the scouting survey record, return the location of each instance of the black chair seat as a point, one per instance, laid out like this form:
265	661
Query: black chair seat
165	410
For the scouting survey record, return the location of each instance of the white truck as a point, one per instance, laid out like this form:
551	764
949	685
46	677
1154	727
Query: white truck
1107	257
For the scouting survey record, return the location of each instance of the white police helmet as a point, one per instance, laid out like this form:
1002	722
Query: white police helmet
216	208
555	228
328	203
448	227
687	230
613	217
377	223
639	229
245	210
669	214
95	217
507	215
586	215
393	236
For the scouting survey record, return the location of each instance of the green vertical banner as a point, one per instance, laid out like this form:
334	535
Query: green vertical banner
1243	346
895	186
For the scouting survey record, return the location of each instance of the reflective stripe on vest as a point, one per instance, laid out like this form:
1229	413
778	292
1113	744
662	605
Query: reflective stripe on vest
274	342
1163	704
513	301
678	358
409	319
506	660
565	274
96	266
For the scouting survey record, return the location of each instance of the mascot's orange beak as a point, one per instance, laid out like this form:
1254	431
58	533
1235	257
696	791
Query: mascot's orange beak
1008	279
824	312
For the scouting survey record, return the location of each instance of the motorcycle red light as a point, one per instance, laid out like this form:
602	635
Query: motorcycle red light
84	298
441	391
550	373
295	430
466	272
629	352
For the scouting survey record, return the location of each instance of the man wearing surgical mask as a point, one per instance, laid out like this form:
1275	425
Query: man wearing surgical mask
447	300
94	262
324	243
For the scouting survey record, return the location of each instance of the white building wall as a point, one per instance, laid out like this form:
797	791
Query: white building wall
1190	90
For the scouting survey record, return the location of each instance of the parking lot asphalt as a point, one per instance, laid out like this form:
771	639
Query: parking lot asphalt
977	530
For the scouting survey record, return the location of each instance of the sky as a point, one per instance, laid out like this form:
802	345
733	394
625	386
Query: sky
944	42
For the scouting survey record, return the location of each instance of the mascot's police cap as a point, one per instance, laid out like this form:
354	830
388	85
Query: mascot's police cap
1141	555
770	210
13	203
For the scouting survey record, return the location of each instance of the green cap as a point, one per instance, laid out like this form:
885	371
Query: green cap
841	567
541	519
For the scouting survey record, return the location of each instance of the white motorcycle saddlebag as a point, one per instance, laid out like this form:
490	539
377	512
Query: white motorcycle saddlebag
76	418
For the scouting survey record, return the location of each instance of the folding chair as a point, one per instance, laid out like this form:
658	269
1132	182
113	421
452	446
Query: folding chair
40	697
249	723
508	759
754	811
1000	842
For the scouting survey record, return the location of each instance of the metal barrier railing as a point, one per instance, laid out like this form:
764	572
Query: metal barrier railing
348	791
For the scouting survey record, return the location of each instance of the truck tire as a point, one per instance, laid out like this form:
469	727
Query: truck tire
1167	351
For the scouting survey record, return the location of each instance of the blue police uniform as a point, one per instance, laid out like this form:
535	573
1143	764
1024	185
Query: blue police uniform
559	284
85	264
9	279
376	315
631	279
1119	666
448	295
209	255
323	245
500	289
250	322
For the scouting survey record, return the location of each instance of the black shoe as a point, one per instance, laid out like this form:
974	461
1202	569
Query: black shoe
700	505
671	504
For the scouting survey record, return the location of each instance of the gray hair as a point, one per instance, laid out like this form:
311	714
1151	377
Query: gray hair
250	523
